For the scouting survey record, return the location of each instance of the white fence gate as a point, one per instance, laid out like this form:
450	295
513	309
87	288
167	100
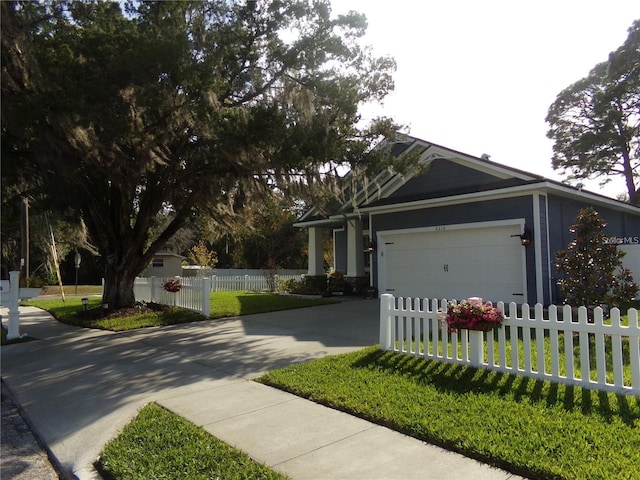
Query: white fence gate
193	295
591	354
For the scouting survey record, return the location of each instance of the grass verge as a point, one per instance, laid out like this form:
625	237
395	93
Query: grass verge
533	428
158	444
231	304
223	304
71	312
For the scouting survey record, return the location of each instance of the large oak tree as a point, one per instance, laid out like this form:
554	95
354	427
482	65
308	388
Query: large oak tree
595	123
132	113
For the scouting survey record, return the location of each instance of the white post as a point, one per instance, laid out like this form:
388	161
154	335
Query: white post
152	289
14	306
386	303
316	263
355	249
206	288
476	354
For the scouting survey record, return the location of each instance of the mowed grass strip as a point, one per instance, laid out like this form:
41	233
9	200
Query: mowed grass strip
231	304
223	304
161	445
71	312
533	428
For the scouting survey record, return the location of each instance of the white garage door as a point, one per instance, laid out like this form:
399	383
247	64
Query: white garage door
454	264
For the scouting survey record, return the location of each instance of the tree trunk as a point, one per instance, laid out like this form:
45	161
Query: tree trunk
118	283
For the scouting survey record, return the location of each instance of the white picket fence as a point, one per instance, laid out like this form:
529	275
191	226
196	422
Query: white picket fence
559	349
194	294
246	283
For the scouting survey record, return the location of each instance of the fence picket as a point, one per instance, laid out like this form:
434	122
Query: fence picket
634	350
526	338
568	344
539	330
553	340
601	366
412	326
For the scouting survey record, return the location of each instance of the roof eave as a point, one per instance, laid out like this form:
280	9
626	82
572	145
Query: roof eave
545	186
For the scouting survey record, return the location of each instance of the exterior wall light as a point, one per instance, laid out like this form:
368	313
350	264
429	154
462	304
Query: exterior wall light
371	247
525	237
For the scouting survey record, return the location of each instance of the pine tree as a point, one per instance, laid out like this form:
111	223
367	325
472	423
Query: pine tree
592	265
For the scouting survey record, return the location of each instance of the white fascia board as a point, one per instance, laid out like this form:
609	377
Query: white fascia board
330	222
567	191
325	222
168	254
518	191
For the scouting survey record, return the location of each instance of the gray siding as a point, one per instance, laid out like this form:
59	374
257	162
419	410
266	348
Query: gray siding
444	175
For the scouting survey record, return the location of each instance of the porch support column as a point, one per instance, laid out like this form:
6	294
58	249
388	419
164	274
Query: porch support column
355	249
316	263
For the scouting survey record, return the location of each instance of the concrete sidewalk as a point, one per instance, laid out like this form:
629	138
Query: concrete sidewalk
79	387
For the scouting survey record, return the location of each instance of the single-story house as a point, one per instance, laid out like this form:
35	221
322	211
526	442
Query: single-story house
164	264
463	227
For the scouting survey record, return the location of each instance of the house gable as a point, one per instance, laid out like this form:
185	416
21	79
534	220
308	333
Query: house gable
445	176
444	172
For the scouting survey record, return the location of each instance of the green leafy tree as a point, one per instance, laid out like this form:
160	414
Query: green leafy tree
595	123
593	267
270	241
132	113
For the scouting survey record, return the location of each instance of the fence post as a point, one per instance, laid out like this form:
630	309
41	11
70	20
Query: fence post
206	288
152	289
246	283
386	302
214	283
476	354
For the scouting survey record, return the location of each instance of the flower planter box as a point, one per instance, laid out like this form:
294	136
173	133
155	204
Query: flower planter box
473	315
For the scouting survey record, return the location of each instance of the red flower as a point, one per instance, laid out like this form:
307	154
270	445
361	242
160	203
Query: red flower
172	285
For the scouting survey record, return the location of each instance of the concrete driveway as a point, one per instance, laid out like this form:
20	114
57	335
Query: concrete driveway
79	387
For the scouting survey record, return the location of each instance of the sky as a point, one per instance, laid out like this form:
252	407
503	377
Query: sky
479	76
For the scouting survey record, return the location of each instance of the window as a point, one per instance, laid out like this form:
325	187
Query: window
157	263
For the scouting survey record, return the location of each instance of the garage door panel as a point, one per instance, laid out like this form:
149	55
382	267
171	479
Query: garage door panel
486	262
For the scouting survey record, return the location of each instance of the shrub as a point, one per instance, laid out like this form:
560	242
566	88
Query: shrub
593	266
308	285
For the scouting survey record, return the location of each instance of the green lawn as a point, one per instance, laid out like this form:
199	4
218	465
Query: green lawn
160	445
533	428
223	304
231	304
